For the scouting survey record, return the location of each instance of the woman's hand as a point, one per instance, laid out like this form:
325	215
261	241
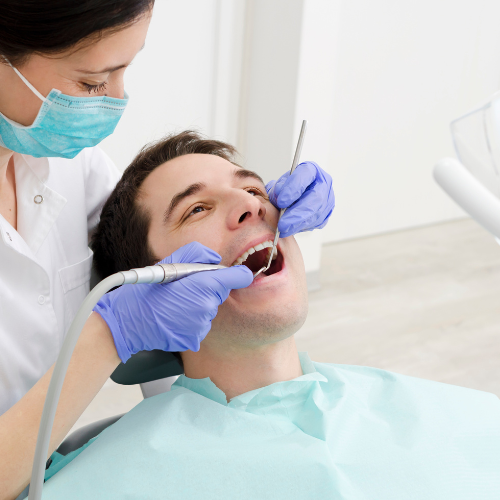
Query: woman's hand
307	195
174	316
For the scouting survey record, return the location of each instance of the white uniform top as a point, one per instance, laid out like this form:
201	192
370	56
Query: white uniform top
45	265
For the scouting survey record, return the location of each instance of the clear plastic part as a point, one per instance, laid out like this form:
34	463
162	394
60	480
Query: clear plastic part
476	137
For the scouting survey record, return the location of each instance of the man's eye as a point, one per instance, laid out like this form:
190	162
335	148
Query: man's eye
255	192
196	210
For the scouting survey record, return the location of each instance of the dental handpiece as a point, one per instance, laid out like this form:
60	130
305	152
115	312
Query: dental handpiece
159	273
165	273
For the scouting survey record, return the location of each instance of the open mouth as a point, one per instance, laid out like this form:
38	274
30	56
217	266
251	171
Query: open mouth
257	257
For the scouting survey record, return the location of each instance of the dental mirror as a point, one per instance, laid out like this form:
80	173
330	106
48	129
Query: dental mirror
282	211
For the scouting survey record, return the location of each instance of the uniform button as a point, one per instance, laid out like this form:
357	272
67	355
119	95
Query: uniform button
41	300
38	199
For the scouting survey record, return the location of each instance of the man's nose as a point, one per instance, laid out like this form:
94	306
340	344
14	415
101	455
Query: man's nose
247	209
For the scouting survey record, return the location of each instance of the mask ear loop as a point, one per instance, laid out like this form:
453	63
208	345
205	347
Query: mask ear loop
28	84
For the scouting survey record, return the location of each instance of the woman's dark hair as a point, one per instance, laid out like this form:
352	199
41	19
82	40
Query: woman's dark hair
51	27
120	241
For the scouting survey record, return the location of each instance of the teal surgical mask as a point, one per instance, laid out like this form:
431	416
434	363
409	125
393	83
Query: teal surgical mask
64	125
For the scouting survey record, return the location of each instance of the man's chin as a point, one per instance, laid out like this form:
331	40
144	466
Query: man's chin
268	310
272	307
254	326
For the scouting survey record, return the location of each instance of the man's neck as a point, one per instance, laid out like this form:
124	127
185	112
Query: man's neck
235	370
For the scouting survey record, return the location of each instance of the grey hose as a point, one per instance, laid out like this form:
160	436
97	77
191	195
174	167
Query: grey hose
160	273
57	380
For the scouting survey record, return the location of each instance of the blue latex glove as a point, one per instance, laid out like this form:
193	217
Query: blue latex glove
174	316
307	195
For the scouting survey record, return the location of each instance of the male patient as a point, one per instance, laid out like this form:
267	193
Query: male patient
252	418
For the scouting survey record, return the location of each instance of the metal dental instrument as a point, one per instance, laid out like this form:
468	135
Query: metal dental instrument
160	273
282	211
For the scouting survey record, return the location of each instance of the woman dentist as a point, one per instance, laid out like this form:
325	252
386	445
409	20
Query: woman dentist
61	93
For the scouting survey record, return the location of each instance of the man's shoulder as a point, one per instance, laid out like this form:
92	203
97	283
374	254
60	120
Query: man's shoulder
378	386
179	400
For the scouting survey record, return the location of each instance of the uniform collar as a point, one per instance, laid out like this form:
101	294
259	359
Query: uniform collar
269	395
38	206
39	166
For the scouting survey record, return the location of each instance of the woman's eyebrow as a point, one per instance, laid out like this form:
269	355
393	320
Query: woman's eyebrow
106	70
189	191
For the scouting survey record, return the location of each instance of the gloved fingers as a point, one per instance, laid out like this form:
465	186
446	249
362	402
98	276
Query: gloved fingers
104	310
270	188
234	277
222	281
296	184
273	188
308	213
193	252
270	185
202	333
182	342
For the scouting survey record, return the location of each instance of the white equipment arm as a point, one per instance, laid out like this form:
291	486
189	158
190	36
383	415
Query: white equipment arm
469	193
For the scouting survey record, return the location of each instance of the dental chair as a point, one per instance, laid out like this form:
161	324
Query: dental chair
155	371
473	181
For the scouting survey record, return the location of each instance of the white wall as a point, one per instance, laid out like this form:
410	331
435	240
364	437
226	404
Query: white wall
378	81
398	72
171	82
270	69
187	77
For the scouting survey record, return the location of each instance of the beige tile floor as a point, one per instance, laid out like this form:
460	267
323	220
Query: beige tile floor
423	302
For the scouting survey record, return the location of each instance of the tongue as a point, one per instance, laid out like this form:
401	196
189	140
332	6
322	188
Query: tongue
257	260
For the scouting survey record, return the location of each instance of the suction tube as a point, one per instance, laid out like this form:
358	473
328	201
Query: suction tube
161	273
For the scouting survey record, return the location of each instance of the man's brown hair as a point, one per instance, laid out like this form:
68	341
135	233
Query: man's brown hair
120	241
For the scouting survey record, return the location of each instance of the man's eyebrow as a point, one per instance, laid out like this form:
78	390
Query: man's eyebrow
243	173
105	70
189	191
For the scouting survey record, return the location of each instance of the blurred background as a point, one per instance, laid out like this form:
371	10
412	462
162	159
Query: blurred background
400	278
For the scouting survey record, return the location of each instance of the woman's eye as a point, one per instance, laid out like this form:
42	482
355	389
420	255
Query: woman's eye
95	88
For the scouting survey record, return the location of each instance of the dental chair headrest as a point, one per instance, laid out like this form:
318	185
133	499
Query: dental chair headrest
146	366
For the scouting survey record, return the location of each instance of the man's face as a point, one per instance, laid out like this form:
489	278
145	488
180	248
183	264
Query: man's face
207	199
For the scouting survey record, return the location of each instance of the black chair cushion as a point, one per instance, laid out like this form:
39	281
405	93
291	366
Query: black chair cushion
146	366
83	435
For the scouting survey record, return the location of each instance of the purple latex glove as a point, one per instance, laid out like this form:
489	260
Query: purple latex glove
307	195
174	316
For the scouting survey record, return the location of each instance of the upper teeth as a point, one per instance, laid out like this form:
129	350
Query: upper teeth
256	248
